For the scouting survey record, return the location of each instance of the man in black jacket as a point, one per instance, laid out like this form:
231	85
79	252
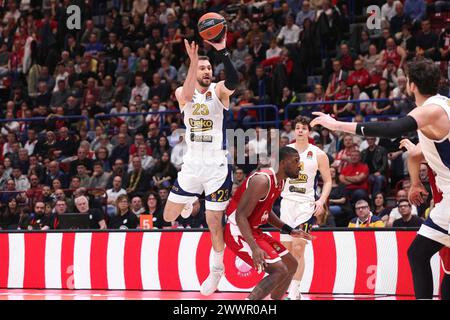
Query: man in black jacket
376	158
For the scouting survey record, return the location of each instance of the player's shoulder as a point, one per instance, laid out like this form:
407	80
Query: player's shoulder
292	145
259	179
178	92
317	150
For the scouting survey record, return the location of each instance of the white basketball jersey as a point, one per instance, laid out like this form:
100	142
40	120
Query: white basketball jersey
437	153
304	187
204	118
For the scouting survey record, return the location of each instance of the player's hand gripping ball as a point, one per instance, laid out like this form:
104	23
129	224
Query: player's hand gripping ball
212	27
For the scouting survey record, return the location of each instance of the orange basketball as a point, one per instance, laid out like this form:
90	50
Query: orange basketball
212	27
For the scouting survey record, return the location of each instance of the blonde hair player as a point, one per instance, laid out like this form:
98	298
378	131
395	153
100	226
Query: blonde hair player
299	205
205	168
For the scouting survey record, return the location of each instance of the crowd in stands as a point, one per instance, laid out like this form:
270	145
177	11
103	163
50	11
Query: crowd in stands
129	58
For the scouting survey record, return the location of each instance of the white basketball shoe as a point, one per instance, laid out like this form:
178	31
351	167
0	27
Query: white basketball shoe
209	286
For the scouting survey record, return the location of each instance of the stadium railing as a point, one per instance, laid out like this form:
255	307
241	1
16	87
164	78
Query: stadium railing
309	107
130	114
35	119
262	114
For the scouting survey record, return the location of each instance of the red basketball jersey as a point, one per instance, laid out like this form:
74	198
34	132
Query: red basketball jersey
260	214
437	195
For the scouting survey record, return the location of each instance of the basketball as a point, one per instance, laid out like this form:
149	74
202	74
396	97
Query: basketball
212	27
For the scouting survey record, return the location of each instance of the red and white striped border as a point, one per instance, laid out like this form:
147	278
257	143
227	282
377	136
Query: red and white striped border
344	262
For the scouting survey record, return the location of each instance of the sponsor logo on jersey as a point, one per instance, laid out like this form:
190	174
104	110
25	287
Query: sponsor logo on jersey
208	96
200	125
302	178
265	217
201	138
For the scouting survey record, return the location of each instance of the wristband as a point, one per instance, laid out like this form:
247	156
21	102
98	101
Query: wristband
232	76
286	229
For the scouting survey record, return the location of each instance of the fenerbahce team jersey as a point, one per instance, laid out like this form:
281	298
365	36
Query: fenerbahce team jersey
204	118
437	153
303	188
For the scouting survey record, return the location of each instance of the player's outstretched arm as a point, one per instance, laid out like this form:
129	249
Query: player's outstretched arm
416	119
225	88
258	186
185	93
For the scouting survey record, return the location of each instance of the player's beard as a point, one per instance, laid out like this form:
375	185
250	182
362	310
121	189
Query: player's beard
203	83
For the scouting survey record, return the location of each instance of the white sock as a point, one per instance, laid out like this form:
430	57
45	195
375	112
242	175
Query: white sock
217	262
293	289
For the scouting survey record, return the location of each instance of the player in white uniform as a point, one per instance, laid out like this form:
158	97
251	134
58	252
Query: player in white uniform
205	167
299	204
432	120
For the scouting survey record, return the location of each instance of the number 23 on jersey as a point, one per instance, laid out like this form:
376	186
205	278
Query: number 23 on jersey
200	109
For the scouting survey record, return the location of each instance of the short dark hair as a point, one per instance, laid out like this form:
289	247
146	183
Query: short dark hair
98	163
303	120
203	58
287	152
403	200
425	74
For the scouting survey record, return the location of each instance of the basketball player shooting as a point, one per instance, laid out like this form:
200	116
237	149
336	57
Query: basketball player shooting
251	207
431	119
205	167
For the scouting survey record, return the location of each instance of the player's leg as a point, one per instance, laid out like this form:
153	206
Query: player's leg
214	221
291	263
279	266
215	205
183	194
298	252
172	210
419	255
290	215
445	263
445	287
278	272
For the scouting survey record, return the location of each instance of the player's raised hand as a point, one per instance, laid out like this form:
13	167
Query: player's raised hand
297	233
324	120
416	195
192	50
259	259
218	45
